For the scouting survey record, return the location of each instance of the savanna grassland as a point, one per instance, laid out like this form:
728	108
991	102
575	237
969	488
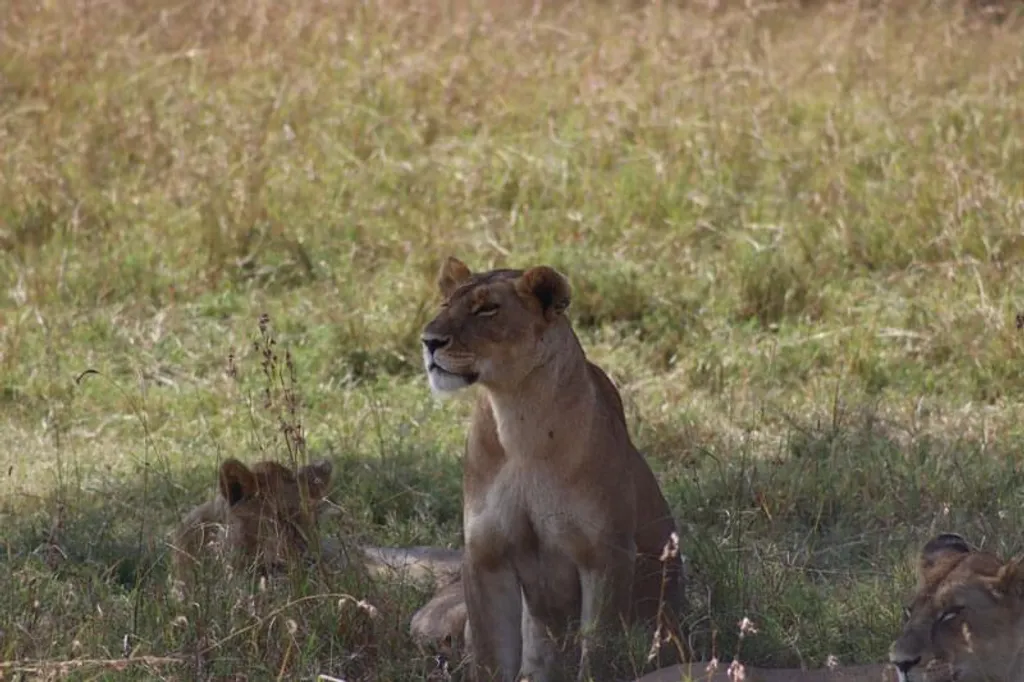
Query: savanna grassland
795	241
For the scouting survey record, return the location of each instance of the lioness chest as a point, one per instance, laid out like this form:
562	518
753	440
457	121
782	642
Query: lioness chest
526	508
537	511
526	520
529	481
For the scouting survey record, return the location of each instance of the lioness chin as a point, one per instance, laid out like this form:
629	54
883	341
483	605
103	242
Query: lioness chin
966	619
564	522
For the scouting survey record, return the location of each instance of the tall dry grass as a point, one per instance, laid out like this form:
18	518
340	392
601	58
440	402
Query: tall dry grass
793	235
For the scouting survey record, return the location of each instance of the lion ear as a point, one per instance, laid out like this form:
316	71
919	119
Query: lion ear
1010	578
317	477
939	547
237	482
549	287
453	273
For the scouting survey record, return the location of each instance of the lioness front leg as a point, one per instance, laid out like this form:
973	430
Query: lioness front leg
539	649
605	590
493	606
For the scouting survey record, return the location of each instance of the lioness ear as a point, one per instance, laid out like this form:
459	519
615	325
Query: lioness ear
236	482
548	286
1010	579
317	477
453	273
940	546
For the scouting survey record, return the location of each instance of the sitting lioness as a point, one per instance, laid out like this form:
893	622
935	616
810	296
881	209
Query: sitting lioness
563	518
967	619
262	518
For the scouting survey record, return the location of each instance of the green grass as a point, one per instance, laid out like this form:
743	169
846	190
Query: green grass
794	236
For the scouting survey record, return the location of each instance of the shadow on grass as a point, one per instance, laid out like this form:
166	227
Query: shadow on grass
814	542
87	579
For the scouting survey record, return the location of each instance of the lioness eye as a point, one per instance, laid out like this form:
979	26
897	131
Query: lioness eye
950	613
486	309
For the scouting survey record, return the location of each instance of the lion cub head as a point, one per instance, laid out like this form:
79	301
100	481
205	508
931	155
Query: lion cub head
271	510
494	327
966	616
262	517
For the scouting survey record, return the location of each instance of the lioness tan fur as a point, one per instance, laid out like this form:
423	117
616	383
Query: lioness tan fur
443	618
263	517
966	620
563	518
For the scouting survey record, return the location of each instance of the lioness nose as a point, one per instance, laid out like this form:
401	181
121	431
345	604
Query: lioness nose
433	342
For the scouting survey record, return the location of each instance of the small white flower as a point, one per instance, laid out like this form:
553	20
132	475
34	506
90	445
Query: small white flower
671	548
361	604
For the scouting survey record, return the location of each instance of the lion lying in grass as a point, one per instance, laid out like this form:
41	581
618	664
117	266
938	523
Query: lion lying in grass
263	518
964	623
564	520
966	620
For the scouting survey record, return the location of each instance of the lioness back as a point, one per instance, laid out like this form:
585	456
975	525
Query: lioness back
562	515
966	619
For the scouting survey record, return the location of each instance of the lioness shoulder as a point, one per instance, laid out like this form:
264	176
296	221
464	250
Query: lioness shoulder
563	517
966	619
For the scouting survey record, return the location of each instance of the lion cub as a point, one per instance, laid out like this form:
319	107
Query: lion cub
261	518
264	518
563	519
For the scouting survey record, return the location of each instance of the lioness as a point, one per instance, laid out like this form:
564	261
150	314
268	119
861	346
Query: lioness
263	517
563	518
967	618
